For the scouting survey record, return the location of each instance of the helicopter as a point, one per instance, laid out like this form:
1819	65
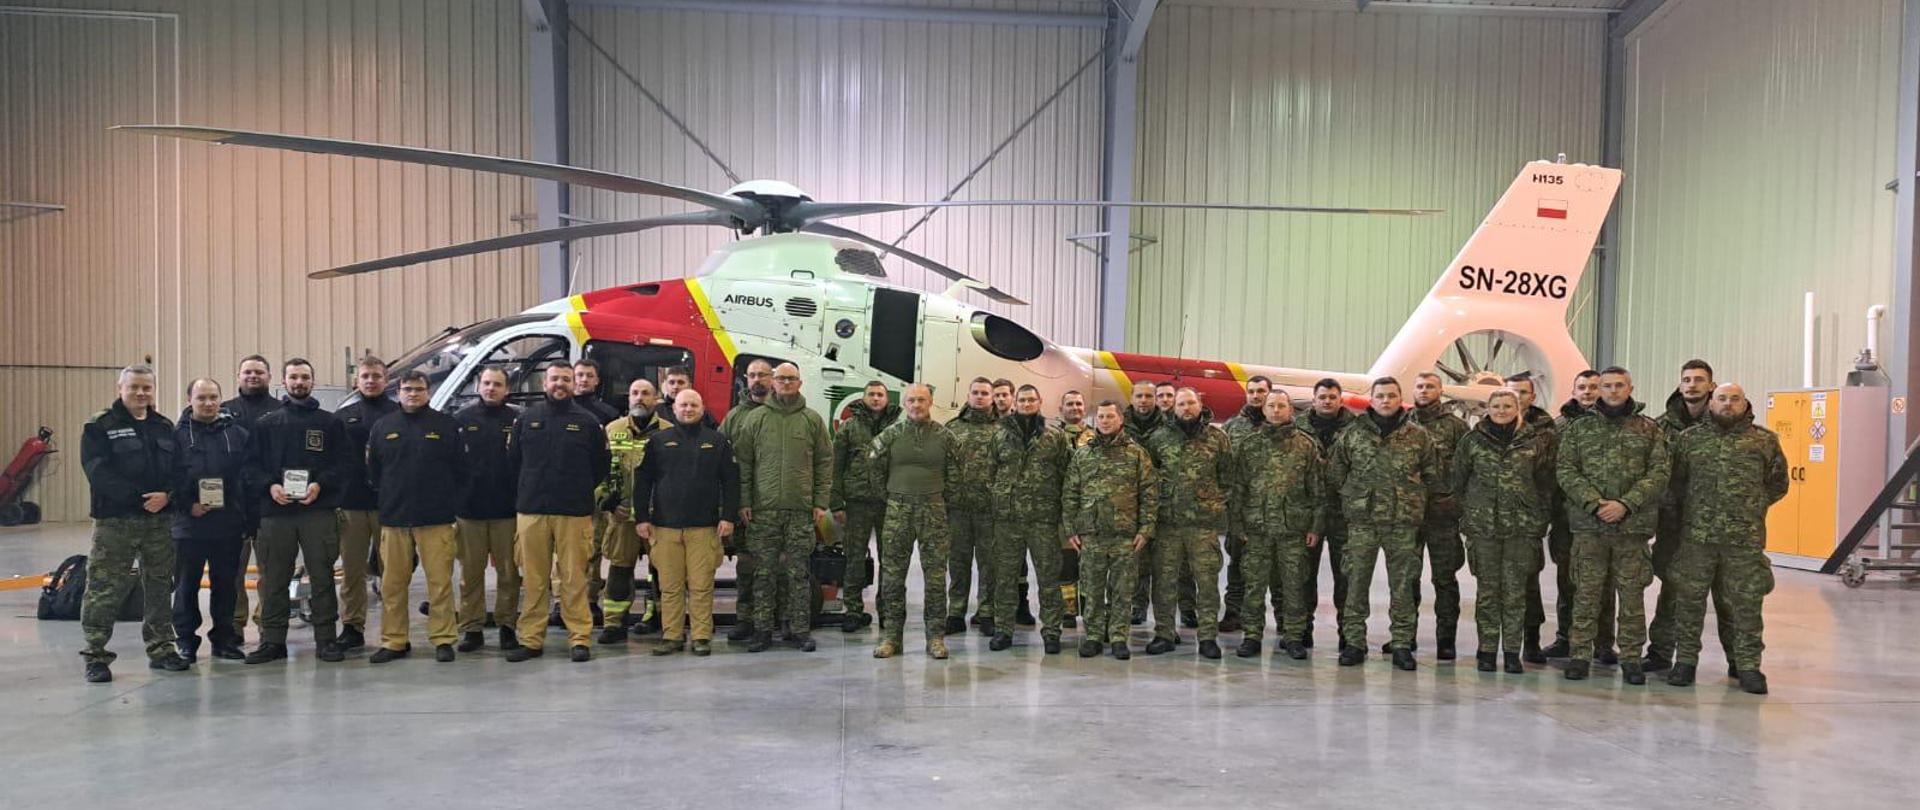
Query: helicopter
794	287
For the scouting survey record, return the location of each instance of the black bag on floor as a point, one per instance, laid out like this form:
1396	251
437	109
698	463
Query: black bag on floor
66	588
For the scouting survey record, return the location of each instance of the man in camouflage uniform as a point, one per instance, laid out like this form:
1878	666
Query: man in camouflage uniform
759	379
128	452
1727	473
970	512
627	443
1250	418
859	497
1143	418
786	480
1384	469
1022	615
1324	421
1440	532
1613	466
1073	423
1107	510
1002	397
1278	505
1687	406
1586	394
919	459
1191	457
1029	465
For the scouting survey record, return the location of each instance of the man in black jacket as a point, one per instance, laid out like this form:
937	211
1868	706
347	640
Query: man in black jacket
301	452
683	493
252	401
677	379
561	453
212	476
360	501
485	517
416	463
127	452
586	391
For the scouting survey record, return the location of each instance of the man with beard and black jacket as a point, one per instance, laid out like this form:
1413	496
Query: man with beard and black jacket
417	464
859	496
686	494
1324	421
1250	419
301	450
561	452
485	521
360	501
212	476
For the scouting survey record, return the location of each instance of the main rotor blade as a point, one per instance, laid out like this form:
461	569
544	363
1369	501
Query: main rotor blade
950	274
717	218
810	211
747	211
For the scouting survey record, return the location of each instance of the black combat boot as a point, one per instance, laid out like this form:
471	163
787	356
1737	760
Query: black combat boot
351	638
1633	674
1051	645
1513	664
1090	648
267	651
1210	649
1680	675
1249	648
1483	661
1158	646
472	641
1443	648
1657	660
742	630
518	654
383	655
169	662
1296	650
99	673
1752	682
1577	669
613	634
762	641
1000	642
580	654
1121	651
508	638
1559	649
1403	660
986	627
1352	657
443	653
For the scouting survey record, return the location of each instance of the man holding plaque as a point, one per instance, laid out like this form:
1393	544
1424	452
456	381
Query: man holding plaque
211	471
302	450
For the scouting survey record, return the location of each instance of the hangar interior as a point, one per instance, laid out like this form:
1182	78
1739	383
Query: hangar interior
1768	149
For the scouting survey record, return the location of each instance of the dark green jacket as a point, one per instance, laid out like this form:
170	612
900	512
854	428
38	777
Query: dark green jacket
973	432
1029	469
1195	470
1727	479
917	458
1335	521
1506	488
1140	427
1111	489
1385	479
1278	483
786	459
1447	430
854	478
1621	458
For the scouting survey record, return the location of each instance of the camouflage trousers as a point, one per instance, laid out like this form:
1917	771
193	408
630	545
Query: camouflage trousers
782	542
1109	567
1186	569
1017	540
1501	568
1236	578
1334	548
1145	587
1739	577
1560	550
914	520
117	543
1275	563
1446	555
1662	632
1626	560
970	533
864	519
1402	548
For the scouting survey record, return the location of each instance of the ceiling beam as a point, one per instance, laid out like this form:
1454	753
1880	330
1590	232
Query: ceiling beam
864	12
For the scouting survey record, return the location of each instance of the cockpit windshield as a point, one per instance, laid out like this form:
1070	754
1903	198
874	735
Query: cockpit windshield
441	354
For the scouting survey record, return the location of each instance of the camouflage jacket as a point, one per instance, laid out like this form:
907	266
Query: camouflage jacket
854	478
786	460
1111	489
1335	521
628	445
916	458
1621	458
1727	478
1278	482
1385	479
1029	467
1675	420
1140	427
1446	429
1248	420
1078	433
974	430
1193	463
1506	487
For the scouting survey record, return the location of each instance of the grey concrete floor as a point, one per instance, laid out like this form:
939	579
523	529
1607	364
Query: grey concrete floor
836	728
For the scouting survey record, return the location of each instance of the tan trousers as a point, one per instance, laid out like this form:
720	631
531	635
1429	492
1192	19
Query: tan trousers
687	560
543	541
358	530
435	545
481	541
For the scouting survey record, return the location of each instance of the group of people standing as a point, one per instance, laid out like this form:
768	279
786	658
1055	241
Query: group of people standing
1114	512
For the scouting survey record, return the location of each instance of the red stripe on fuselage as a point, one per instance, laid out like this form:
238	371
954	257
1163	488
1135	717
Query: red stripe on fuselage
662	310
1215	383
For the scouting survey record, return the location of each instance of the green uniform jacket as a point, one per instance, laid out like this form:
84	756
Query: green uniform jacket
1506	488
1727	478
1111	489
1029	468
731	424
1140	427
628	446
1279	482
1446	429
916	458
1248	420
1078	433
1622	458
1385	480
1195	468
1675	420
854	478
786	460
974	430
1334	521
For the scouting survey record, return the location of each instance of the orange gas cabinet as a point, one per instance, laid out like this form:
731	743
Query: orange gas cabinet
1835	440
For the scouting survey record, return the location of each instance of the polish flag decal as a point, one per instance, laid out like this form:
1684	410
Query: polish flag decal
1551	209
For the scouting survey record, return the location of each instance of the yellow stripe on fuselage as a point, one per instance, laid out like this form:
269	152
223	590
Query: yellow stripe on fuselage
1239	373
720	335
1119	376
576	305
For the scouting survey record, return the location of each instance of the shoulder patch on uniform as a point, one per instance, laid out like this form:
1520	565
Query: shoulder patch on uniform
473	428
122	433
317	440
703	445
534	425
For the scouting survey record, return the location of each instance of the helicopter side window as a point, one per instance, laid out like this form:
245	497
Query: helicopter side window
894	337
622	363
525	360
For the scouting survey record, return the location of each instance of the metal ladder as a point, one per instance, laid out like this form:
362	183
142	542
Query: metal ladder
1901	496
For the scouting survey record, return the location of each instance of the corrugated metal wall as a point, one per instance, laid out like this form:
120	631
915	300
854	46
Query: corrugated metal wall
1429	109
196	255
1760	134
850	109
